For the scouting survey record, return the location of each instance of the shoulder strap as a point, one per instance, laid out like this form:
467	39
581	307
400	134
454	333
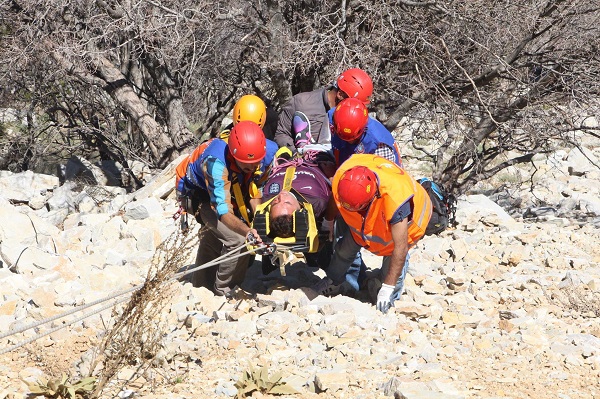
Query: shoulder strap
239	199
289	177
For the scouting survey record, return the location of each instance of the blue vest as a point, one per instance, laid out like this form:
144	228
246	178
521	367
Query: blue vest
375	133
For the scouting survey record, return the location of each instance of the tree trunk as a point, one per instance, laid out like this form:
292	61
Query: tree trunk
119	89
175	115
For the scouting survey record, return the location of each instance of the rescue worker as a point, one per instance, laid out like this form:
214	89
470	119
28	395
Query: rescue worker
355	132
205	183
249	108
309	110
387	212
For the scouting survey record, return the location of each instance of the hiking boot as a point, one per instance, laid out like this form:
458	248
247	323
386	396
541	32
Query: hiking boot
322	285
373	287
301	126
326	287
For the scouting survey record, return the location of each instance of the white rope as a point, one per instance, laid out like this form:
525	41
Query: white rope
108	298
69	312
84	316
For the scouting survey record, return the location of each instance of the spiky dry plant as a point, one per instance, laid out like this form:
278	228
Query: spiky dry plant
580	299
136	335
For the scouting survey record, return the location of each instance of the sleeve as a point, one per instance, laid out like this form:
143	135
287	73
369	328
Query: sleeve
401	213
283	134
325	133
219	185
387	152
187	178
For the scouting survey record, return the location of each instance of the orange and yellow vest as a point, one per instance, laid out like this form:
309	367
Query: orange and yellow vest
373	230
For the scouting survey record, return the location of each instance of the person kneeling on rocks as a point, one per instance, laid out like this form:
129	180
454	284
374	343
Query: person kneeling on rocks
387	212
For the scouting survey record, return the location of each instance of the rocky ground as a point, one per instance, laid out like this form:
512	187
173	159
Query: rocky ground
503	305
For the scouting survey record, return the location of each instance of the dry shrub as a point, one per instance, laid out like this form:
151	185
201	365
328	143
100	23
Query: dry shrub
578	298
136	335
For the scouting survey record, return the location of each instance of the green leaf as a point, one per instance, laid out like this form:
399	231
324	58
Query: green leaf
87	384
71	392
251	387
264	373
88	380
275	378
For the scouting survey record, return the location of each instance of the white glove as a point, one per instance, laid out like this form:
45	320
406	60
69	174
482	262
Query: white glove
384	301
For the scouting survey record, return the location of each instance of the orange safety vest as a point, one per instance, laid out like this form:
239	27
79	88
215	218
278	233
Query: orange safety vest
181	169
374	231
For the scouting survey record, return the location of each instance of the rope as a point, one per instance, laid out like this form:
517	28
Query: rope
69	312
112	296
309	159
84	316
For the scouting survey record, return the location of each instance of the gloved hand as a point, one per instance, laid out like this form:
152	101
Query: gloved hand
384	297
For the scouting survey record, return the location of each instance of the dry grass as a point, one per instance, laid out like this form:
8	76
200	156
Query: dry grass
577	298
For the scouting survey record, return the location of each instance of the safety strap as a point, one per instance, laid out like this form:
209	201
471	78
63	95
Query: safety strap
305	237
239	199
288	178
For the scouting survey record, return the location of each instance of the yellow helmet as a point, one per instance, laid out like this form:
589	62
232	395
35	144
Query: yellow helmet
250	108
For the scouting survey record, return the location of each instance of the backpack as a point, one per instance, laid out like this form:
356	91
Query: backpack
444	207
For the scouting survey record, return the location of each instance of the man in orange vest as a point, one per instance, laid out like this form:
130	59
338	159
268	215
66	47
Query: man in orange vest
387	212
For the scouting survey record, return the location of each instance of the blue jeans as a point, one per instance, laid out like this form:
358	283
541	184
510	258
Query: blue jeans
346	263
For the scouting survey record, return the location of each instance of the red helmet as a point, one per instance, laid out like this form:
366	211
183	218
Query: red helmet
357	188
247	143
350	119
356	84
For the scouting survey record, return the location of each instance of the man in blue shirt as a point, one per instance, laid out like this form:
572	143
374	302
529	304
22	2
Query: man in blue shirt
355	132
220	178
